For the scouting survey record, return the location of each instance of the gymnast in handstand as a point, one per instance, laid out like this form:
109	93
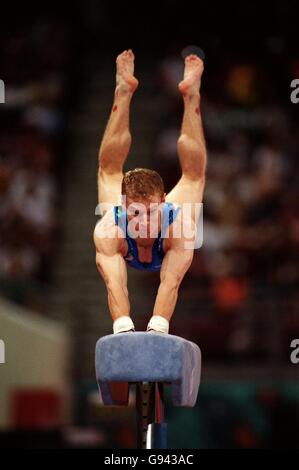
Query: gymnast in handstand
138	196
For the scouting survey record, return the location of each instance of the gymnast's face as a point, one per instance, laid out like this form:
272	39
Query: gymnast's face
145	215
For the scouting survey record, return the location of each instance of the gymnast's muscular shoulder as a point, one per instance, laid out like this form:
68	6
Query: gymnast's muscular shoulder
182	230
108	237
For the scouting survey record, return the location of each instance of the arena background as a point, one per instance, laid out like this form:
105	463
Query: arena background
239	301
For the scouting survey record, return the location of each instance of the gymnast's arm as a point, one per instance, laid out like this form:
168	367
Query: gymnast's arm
113	269
176	262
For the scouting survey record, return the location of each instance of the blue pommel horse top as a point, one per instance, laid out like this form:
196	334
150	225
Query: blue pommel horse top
147	357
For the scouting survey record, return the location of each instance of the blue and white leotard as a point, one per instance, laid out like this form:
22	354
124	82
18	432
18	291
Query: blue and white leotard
169	213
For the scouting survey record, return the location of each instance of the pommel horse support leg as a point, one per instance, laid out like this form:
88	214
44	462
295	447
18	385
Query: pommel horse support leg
149	361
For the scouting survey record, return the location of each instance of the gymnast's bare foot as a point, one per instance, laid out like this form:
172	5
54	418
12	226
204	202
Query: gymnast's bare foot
125	80
192	75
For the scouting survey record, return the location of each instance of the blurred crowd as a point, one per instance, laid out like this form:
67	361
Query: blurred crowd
247	271
33	67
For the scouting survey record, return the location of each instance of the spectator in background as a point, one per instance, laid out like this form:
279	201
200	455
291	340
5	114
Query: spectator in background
34	63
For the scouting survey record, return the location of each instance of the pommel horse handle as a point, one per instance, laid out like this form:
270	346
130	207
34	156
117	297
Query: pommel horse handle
149	361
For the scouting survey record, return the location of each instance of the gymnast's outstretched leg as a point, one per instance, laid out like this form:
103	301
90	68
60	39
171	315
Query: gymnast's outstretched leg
191	143
117	139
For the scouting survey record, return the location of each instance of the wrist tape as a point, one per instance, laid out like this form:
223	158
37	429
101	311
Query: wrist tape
158	323
122	324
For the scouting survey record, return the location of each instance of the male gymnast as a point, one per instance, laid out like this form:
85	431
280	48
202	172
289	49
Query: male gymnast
138	196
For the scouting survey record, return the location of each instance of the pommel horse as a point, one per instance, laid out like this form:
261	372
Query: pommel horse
150	361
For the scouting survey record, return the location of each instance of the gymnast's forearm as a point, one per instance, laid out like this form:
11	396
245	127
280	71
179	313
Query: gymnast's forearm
112	268
118	300
166	299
